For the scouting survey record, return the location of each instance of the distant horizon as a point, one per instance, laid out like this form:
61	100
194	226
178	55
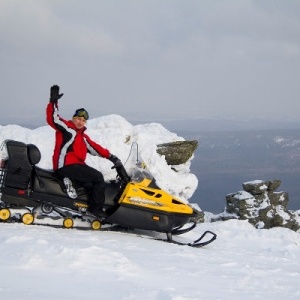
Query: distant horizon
183	123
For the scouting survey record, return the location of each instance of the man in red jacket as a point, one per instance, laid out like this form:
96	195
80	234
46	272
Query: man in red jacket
71	148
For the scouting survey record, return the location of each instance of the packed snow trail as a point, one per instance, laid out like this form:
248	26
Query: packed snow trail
243	263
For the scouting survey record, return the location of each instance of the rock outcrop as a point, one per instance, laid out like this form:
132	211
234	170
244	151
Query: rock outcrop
178	152
262	206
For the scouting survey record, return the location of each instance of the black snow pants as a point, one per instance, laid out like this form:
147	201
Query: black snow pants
86	175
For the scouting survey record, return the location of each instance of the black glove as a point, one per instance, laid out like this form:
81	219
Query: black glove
115	160
54	94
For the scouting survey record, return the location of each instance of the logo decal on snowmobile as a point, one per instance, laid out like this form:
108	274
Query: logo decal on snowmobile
143	201
80	204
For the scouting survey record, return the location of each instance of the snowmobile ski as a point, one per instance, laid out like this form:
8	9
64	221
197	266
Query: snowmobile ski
178	230
197	243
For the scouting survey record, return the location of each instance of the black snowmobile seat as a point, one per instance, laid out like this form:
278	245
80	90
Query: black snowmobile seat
46	181
34	154
19	168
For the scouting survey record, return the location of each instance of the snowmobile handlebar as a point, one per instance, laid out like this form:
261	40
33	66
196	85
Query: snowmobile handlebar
122	173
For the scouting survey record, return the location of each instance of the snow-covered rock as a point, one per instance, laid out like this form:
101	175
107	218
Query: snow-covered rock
262	206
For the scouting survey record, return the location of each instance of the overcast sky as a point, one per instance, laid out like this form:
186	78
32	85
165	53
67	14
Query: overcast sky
172	58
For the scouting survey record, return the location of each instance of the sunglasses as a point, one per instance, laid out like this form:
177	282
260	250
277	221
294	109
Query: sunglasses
81	113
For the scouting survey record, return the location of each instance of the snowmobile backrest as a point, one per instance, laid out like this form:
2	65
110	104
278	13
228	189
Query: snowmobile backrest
34	154
18	166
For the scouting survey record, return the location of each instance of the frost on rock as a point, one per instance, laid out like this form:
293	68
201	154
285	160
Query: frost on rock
262	206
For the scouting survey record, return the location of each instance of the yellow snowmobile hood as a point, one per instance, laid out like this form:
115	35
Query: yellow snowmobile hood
141	195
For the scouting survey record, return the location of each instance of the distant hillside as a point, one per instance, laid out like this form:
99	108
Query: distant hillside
225	159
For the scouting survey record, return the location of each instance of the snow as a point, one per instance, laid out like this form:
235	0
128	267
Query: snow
243	195
119	136
40	262
253	181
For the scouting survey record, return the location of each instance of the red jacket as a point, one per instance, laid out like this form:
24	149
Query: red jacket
71	144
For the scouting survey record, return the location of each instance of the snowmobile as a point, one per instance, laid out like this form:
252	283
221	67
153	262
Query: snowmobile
34	195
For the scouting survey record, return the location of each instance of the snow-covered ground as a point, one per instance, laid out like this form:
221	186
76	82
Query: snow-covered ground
39	262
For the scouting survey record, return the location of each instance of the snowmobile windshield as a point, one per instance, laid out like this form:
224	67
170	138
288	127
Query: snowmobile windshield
140	174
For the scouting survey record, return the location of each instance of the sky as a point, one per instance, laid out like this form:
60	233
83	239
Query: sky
150	59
